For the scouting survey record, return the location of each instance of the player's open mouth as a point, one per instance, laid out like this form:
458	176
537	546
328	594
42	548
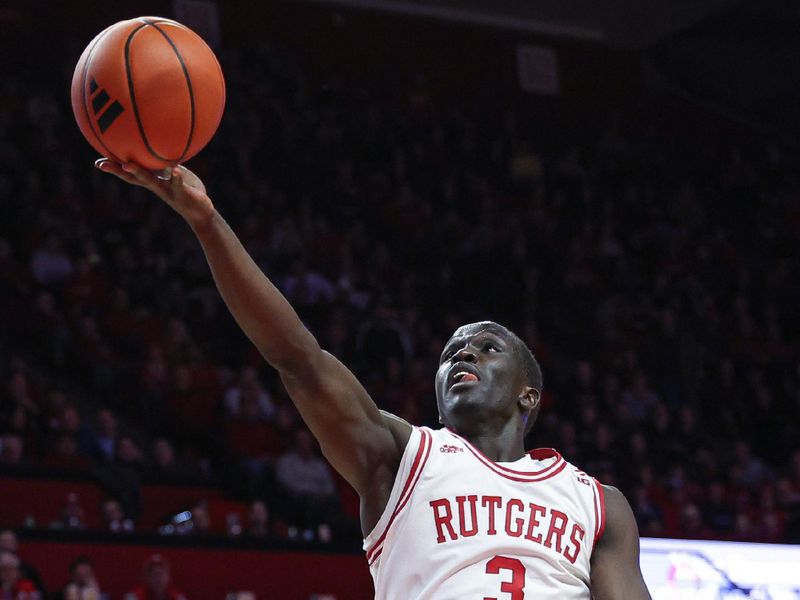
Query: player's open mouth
461	375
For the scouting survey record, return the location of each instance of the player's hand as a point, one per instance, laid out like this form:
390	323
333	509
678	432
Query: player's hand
177	186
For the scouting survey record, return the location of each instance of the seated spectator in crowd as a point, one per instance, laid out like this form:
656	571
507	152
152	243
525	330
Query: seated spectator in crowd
122	478
10	543
256	443
129	455
11	451
311	496
13	586
752	470
164	466
50	264
64	454
691	524
23	422
306	288
83	583
260	523
104	442
114	518
717	513
156	582
201	519
191	403
69	421
72	514
249	385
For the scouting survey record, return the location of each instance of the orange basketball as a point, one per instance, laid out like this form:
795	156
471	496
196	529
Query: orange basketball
148	90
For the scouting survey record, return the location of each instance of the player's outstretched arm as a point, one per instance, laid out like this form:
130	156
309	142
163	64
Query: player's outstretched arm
363	445
615	560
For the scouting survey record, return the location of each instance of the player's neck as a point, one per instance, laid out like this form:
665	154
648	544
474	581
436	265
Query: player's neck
505	445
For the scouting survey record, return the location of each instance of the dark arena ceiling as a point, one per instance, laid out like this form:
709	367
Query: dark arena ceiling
738	57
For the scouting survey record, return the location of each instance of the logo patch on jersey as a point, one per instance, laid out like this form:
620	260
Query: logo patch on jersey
450	449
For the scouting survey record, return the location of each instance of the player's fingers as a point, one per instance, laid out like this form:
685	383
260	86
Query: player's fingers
142	176
191	180
114	168
176	179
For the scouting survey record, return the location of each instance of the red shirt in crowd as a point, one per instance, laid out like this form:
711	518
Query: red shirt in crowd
23	589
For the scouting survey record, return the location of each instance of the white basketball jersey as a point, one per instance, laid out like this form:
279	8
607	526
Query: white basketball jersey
459	526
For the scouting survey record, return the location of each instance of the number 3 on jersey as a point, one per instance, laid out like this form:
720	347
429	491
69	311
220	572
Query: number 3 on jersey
517	583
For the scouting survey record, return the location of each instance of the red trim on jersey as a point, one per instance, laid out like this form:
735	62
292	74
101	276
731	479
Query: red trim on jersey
600	504
421	458
596	509
524	476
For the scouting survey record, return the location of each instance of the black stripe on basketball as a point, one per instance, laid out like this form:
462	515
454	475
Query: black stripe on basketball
133	93
111	114
145	23
99	101
188	85
85	104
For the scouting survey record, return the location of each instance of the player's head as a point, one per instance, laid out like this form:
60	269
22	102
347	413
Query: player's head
486	372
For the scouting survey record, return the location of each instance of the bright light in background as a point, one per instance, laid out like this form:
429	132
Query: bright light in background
702	570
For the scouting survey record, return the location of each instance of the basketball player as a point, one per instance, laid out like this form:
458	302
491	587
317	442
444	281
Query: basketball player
462	512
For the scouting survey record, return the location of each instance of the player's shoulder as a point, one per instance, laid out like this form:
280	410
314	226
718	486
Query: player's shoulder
399	428
613	496
619	516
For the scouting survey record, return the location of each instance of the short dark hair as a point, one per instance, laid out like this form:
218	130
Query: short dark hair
533	372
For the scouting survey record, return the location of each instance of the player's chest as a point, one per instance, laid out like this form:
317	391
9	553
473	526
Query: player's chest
459	503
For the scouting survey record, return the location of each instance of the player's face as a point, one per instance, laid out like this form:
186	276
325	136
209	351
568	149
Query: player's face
479	375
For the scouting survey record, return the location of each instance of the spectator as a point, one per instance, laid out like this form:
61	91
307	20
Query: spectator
22	392
201	519
190	405
11	451
258	520
164	466
12	584
64	454
751	470
72	514
306	288
691	524
50	264
83	583
129	455
307	481
256	443
716	511
249	385
114	518
639	399
23	423
10	543
105	436
156	582
50	333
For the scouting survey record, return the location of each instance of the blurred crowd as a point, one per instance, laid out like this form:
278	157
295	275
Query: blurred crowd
655	278
20	580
